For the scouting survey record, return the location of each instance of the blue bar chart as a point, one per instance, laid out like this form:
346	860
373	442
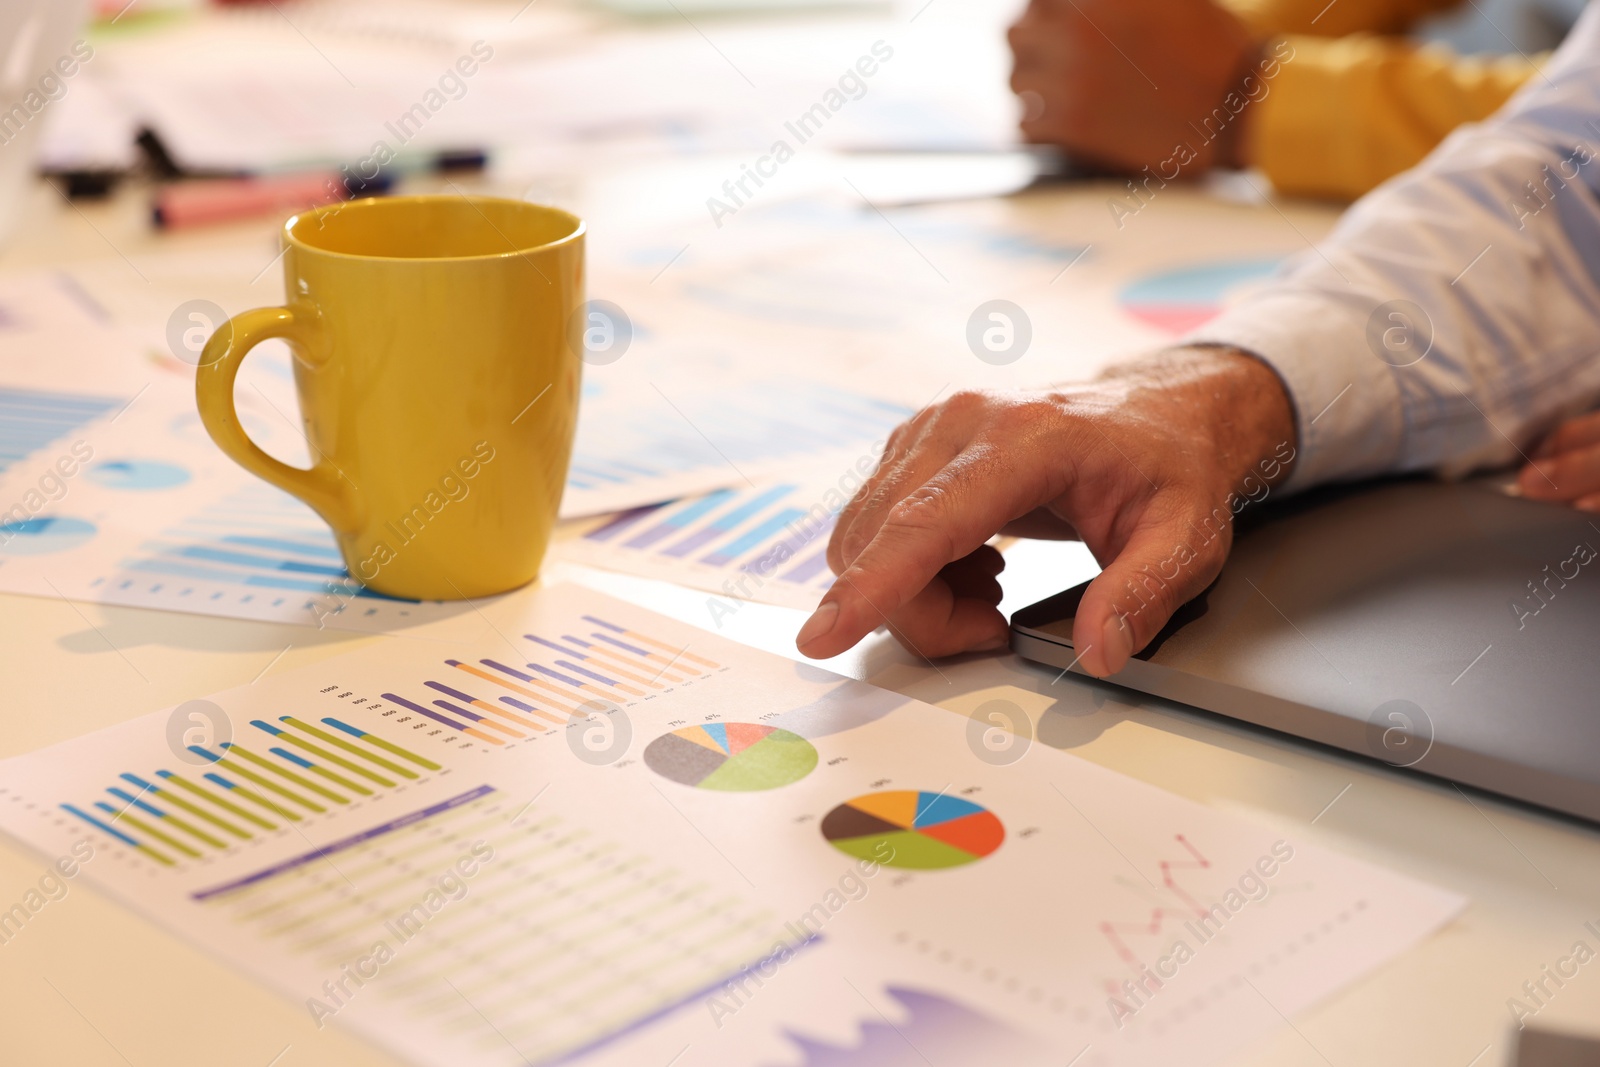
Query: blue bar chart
767	544
157	518
656	446
31	420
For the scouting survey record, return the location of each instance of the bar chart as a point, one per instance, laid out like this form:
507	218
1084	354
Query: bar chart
31	420
767	543
639	445
255	549
463	887
152	515
599	666
307	769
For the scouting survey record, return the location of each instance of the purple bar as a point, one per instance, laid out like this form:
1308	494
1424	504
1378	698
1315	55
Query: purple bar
420	710
503	669
620	523
809	569
463	712
563	649
557	675
619	644
602	679
447	691
702	536
344	843
784	551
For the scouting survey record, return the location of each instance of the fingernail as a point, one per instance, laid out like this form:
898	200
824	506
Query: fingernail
994	644
1588	504
819	625
1116	643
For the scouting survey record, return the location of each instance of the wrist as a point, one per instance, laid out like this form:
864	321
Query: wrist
1235	406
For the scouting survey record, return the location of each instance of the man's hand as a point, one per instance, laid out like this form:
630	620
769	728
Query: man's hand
1123	83
1566	465
1147	466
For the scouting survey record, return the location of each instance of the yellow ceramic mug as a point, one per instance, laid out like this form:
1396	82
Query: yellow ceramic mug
437	383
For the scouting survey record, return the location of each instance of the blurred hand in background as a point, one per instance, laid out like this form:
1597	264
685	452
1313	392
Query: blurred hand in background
1337	99
1121	83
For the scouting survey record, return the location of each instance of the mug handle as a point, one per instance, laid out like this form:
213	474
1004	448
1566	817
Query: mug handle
322	485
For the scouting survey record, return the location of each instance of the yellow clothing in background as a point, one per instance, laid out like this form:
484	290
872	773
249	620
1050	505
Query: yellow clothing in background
1357	105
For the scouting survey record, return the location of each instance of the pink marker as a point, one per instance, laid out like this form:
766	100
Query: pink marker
196	203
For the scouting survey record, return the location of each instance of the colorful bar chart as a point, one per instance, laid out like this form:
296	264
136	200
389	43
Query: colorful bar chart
305	770
767	544
573	674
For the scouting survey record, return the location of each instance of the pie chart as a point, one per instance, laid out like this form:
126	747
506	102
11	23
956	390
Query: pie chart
913	829
1178	301
735	757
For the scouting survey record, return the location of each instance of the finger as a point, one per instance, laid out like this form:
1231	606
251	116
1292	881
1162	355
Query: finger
1588	503
973	576
1564	476
938	622
1166	561
947	518
893	453
938	444
1041	525
1570	435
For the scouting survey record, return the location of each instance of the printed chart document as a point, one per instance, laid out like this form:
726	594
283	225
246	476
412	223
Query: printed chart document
605	837
111	491
127	501
767	543
645	441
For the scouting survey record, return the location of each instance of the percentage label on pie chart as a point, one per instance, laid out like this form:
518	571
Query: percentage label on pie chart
735	757
913	829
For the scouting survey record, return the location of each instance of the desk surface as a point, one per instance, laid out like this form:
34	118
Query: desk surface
88	983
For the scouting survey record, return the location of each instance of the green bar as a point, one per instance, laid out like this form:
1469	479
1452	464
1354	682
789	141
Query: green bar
225	805
145	828
341	780
420	761
304	783
190	828
323	735
265	801
251	776
323	753
200	813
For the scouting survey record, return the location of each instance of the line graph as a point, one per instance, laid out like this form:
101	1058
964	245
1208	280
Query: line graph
1116	932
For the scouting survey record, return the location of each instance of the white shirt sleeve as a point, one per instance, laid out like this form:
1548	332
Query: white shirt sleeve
1453	316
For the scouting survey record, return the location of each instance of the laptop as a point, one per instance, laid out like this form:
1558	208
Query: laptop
1447	628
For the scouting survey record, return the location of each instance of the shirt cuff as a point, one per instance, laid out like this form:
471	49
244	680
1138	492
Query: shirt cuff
1346	401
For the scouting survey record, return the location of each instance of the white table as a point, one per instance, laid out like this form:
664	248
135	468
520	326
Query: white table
87	983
